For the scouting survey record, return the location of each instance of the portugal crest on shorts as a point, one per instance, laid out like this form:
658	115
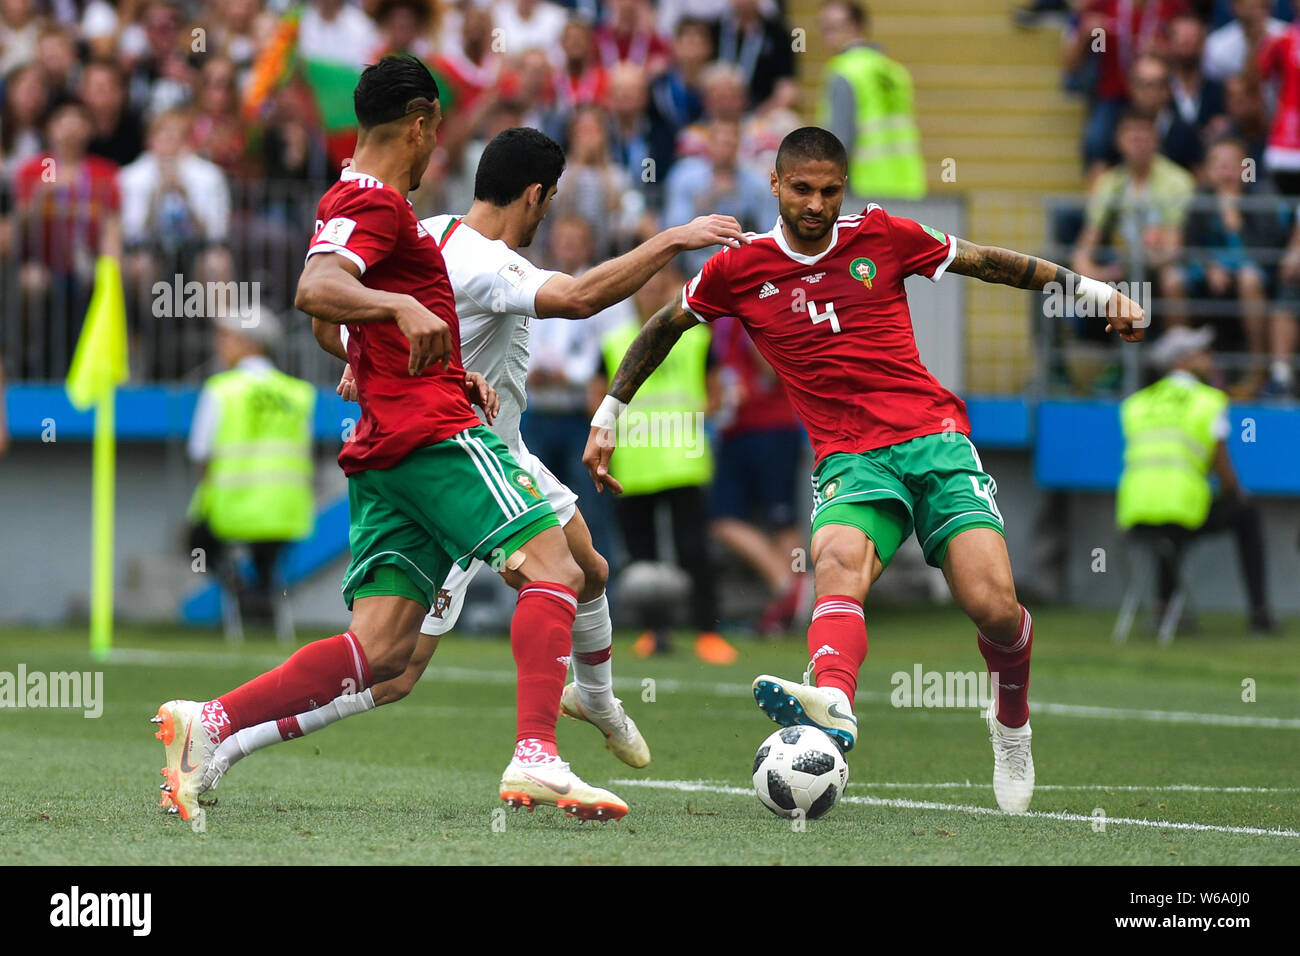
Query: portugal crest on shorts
863	269
525	481
441	601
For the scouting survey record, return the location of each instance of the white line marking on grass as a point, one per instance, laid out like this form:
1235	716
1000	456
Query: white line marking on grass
1153	788
700	786
471	675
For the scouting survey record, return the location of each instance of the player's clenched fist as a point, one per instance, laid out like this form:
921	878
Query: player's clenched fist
1125	317
347	387
600	447
430	336
704	231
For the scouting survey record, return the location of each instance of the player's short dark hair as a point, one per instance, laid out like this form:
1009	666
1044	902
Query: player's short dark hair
515	159
390	89
811	143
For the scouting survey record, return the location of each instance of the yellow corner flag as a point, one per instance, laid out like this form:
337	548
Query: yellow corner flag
98	366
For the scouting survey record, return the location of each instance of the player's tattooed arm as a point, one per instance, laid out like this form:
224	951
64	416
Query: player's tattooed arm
649	348
655	340
1007	267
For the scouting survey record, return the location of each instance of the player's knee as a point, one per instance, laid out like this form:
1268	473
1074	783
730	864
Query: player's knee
569	574
996	612
595	575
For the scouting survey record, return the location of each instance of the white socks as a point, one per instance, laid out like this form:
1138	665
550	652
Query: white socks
242	743
593	633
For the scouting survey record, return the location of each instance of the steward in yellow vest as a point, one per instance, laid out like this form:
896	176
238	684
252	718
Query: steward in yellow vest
665	463
252	432
867	102
1175	434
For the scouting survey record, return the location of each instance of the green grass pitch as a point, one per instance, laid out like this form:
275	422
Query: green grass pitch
1159	740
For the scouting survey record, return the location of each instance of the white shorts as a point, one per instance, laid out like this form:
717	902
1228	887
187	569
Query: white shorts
451	597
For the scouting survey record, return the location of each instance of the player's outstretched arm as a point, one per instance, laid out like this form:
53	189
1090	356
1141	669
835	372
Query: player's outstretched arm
567	297
1007	267
330	289
655	340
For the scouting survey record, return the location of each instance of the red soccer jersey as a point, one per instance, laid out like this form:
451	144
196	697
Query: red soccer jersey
835	327
374	226
1279	59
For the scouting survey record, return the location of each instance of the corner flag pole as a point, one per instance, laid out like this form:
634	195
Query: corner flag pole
98	366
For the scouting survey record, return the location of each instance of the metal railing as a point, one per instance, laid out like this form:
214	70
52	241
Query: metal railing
174	280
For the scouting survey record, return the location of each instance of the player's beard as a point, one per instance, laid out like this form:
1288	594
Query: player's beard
806	233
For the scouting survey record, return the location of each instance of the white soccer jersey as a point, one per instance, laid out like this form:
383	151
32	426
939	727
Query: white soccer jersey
496	292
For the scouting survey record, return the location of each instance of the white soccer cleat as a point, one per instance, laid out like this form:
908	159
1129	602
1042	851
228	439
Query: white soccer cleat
550	783
1013	765
622	737
190	749
826	708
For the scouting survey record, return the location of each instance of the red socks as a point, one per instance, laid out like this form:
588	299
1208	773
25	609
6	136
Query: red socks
541	635
837	641
1009	669
314	675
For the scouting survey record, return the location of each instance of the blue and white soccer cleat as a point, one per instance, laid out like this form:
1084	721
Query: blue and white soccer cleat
826	708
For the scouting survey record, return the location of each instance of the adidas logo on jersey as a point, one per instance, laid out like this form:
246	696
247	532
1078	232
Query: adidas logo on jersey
768	289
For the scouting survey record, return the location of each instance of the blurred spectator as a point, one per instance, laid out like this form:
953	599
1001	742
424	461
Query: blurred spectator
217	132
175	221
676	93
118	132
1233	240
670	465
252	434
759	45
724	98
759	434
238	31
530	83
467	69
4	413
26	102
529	25
1279	62
163	76
867	103
1233	47
640	141
699	186
20	27
1247	116
595	188
1198	100
1152	97
1175	433
670	13
1135	211
67	206
404	28
1109	37
628	36
56	52
99	27
580	79
338	32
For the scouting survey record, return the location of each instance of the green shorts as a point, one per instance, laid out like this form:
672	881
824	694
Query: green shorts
934	484
442	505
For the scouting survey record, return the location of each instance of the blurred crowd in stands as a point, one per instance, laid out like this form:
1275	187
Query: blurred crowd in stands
193	137
1192	155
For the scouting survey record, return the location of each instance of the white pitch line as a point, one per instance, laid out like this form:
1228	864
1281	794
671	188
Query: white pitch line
1135	788
182	659
693	786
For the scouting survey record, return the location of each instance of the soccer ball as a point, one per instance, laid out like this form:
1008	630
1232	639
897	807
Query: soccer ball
799	771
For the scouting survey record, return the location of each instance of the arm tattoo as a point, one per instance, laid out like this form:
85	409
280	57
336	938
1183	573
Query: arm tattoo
648	349
1006	267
